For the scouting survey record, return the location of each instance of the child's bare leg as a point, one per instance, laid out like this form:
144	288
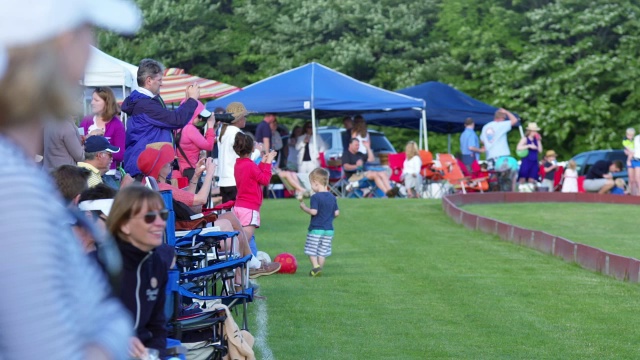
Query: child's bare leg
321	260
314	261
243	241
248	232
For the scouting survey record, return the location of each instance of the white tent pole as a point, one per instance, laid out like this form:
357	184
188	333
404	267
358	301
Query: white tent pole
123	115
521	131
314	129
424	126
420	136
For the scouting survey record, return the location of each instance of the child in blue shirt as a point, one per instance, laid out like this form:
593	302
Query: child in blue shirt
323	209
620	188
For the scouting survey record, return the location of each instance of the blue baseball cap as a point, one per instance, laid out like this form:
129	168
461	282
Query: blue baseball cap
98	143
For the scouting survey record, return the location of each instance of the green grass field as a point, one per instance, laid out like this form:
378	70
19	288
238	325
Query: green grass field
606	226
406	282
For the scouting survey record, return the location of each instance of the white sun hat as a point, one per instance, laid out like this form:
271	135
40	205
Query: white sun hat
26	22
103	205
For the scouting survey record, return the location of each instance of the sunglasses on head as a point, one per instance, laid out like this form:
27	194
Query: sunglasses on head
151	216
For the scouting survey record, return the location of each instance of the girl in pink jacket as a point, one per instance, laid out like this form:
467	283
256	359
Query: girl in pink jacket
190	140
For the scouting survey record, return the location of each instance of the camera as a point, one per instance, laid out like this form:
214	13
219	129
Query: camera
225	117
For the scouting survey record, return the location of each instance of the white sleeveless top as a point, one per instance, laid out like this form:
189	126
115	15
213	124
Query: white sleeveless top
362	148
636	147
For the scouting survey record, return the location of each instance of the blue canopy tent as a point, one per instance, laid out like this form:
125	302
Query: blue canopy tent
446	111
315	91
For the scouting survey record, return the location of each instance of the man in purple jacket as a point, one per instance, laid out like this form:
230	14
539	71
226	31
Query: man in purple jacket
149	120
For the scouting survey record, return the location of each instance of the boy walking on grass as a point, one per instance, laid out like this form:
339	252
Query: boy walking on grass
324	208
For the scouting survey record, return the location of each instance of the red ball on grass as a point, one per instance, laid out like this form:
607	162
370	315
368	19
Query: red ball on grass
288	263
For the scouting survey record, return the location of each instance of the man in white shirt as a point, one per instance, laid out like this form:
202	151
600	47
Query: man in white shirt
494	134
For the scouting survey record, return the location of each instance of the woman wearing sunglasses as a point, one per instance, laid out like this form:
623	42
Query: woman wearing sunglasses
137	221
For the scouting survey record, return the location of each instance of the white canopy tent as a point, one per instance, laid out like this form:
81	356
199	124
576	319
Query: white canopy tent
106	70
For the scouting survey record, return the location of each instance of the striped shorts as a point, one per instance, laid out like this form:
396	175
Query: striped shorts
318	243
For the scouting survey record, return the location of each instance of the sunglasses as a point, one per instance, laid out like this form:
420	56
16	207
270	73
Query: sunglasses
108	154
151	216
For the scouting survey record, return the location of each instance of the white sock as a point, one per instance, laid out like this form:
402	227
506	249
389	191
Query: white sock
254	263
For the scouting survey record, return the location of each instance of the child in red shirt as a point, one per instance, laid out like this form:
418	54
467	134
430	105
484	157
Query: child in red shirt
249	179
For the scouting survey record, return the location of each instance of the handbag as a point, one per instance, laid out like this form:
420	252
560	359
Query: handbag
522	153
178	136
183	215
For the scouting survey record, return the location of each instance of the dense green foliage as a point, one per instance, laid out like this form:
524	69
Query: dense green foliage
569	65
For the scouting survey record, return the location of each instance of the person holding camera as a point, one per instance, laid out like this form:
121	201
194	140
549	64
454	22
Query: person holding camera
190	140
56	303
149	119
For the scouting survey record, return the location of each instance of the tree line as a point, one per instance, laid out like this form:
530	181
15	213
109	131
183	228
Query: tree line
569	65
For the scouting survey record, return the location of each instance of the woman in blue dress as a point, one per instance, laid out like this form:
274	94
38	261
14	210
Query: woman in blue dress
529	168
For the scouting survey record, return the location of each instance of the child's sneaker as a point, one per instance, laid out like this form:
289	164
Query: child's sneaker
315	272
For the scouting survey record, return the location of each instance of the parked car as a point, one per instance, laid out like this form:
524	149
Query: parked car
333	136
585	160
251	128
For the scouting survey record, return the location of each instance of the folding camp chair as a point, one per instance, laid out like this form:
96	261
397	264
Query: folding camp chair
396	164
475	180
363	188
432	182
203	280
337	183
452	173
558	178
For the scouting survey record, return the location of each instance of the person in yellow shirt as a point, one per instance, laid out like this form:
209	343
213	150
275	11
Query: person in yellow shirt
98	155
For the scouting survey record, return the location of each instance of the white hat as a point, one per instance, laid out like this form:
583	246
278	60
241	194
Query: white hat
205	113
27	22
103	205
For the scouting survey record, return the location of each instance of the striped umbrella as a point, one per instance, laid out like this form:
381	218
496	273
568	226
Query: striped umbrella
175	81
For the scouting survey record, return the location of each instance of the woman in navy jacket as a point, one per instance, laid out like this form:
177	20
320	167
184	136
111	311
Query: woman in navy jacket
137	220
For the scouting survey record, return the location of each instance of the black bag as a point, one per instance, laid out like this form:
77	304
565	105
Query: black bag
182	211
188	173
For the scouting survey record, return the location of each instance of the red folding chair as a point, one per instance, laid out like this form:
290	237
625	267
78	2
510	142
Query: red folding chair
336	176
557	178
396	163
581	184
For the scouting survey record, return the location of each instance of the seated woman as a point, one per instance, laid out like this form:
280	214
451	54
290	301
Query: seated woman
155	161
291	181
292	152
289	178
137	221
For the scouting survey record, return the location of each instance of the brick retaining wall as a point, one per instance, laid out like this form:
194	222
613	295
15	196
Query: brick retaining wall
589	257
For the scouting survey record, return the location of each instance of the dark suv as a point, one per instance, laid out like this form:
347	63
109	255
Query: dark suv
585	160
